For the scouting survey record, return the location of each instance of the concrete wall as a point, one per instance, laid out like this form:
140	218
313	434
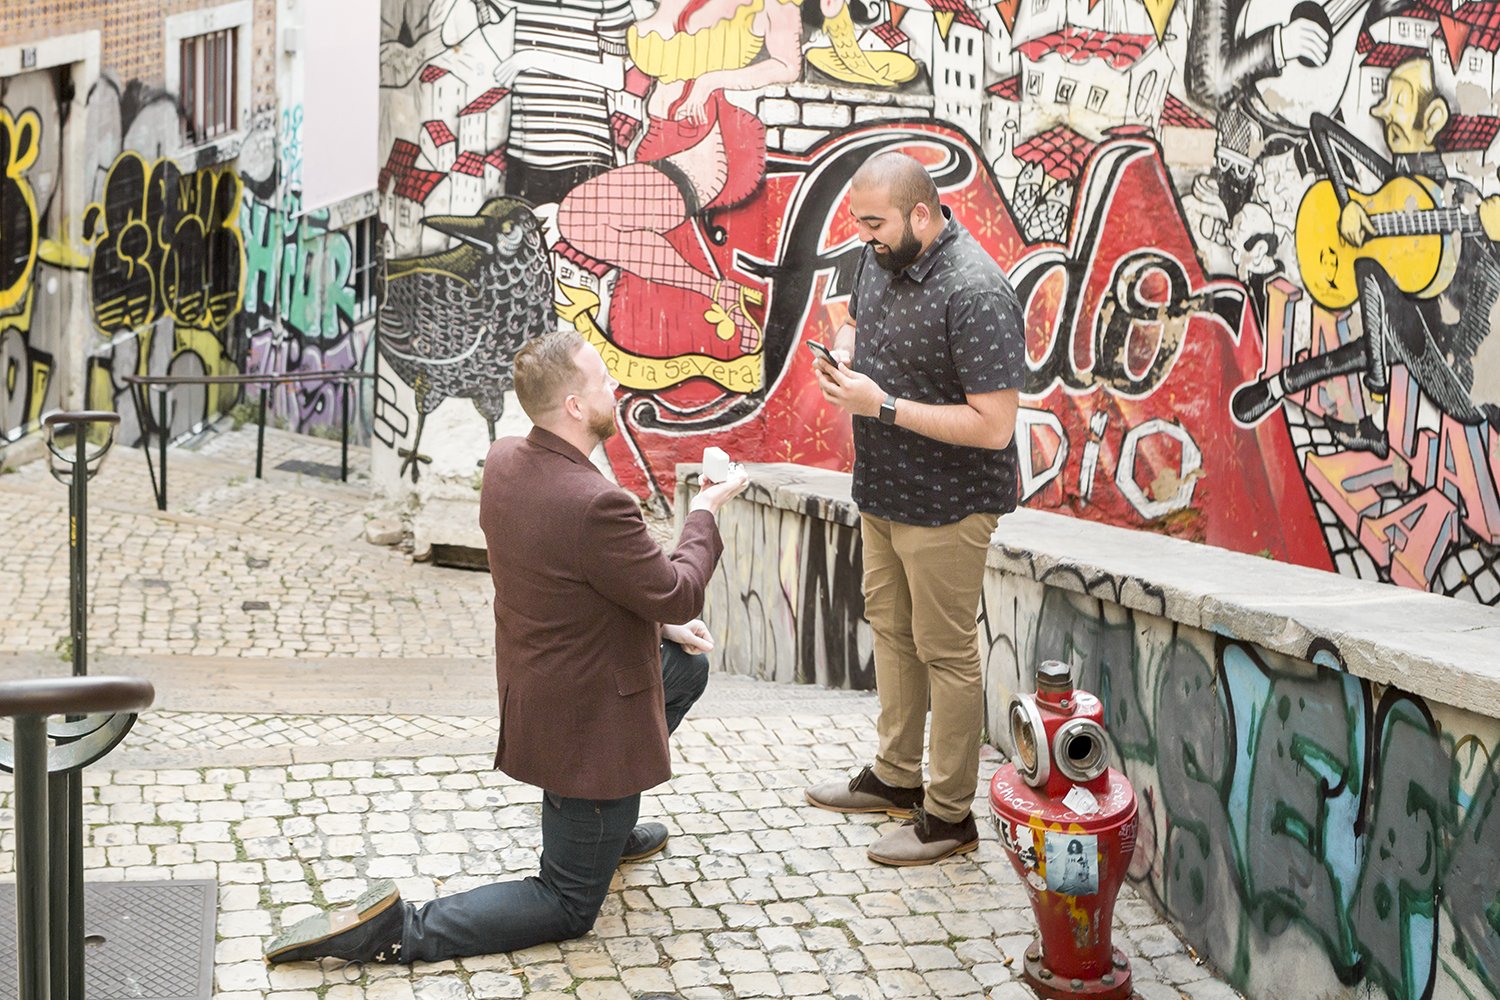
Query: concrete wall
1138	168
1316	758
126	248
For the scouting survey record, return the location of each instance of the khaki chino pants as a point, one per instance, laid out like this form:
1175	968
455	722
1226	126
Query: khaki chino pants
922	599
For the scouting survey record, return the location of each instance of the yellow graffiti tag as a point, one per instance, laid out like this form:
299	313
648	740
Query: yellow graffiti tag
636	371
20	141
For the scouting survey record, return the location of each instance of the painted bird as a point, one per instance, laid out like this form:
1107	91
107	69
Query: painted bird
451	322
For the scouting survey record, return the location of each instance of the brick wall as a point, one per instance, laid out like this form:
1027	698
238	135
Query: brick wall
798	115
131	36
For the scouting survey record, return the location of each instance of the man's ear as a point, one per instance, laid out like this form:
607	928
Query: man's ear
921	215
1435	119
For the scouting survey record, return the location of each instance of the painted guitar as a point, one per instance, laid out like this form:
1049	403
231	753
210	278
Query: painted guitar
1415	242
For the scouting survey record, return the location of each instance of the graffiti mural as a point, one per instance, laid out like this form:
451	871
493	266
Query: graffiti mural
135	256
309	286
31	316
1288	804
1255	241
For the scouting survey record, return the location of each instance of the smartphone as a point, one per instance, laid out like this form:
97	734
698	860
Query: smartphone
823	353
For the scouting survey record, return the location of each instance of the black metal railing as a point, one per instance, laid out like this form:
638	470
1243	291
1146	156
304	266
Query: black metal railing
49	834
97	713
162	384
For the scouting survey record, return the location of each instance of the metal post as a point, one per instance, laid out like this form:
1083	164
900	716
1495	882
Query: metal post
59	841
260	435
344	453
162	435
77	535
30	735
74	939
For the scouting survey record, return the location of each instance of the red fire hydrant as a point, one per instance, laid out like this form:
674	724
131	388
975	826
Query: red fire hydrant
1068	821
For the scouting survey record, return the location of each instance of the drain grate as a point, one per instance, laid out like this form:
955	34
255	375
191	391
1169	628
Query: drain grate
155	940
321	470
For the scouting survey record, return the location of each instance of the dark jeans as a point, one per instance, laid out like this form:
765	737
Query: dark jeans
582	840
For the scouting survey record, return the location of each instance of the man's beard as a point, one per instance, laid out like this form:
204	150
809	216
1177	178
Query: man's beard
901	255
603	425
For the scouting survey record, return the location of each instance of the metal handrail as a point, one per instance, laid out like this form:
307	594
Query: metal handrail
49	904
48	696
141	383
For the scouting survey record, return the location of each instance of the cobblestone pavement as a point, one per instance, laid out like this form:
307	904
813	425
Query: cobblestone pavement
359	745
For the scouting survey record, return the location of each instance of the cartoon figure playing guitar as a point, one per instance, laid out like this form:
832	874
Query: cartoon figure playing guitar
1396	252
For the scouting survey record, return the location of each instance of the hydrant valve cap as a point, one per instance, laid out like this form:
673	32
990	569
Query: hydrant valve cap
1054	676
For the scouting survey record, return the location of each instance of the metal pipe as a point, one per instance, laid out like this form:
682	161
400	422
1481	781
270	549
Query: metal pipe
75	887
260	434
344	453
162	435
60	837
30	735
77	550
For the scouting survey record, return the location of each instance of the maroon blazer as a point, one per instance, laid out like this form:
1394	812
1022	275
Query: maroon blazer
580	588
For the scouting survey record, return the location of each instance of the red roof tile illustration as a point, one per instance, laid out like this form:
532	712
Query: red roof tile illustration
1008	89
1466	25
1079	45
411	181
624	128
469	162
440	133
484	101
495	159
432	73
1060	152
1364	43
1468	133
1387	55
890	34
1175	112
582	260
964	13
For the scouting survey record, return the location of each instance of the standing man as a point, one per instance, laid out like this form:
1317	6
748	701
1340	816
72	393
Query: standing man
931	363
586	699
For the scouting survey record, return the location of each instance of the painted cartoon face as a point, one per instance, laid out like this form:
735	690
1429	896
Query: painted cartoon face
1402	112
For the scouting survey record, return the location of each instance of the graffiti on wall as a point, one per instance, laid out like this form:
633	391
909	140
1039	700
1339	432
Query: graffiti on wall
309	286
1255	244
1288	800
185	266
30	322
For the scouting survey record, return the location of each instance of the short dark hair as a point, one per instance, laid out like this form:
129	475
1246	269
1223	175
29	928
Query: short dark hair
545	371
902	177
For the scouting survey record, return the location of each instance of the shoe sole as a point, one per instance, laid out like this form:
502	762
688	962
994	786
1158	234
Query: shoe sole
632	858
960	849
370	904
895	812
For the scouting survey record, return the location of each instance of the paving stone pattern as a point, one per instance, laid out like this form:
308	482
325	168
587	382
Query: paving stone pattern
757	894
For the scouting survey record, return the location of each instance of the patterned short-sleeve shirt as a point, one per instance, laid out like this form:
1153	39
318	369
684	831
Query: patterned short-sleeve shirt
944	327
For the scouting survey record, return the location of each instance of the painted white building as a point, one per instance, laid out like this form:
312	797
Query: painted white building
1092	81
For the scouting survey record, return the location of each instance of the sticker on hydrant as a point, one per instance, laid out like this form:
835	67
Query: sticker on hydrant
1072	863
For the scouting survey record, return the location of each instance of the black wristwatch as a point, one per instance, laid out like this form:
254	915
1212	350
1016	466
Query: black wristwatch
888	409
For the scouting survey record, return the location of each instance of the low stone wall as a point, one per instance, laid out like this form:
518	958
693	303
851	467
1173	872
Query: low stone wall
1315	756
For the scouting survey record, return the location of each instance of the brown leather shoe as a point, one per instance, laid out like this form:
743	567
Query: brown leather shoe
924	839
865	793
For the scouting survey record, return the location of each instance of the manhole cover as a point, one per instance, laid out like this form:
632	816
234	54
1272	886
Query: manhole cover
149	940
320	469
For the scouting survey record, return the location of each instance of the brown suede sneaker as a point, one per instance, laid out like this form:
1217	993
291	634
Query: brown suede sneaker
924	839
865	793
